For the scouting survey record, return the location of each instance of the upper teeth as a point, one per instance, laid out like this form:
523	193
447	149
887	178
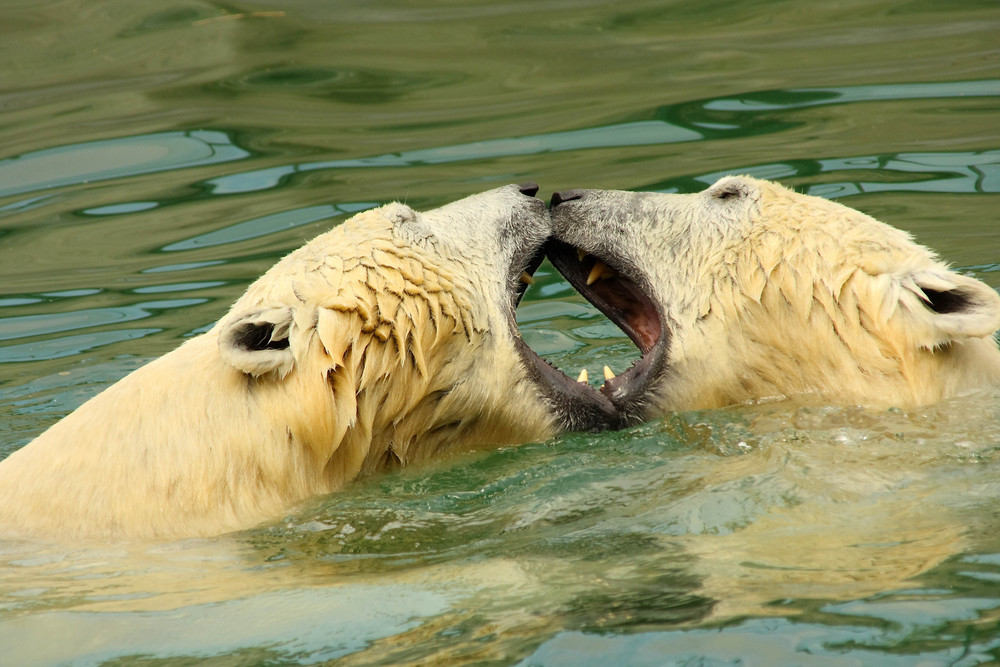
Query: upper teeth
600	271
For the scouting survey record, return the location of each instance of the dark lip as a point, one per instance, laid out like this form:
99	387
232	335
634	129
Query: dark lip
577	407
626	302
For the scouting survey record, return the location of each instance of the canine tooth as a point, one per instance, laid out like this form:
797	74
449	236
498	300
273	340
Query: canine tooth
600	271
526	278
581	253
608	375
583	376
595	272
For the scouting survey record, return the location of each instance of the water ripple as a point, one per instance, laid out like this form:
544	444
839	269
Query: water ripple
29	326
966	172
115	158
642	133
268	224
68	346
750	114
33	325
799	98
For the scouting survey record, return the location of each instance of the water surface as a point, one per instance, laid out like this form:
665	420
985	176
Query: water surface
154	160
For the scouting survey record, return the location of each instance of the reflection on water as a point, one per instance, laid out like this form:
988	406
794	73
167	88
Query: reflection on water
772	100
643	133
154	162
114	158
822	528
689	121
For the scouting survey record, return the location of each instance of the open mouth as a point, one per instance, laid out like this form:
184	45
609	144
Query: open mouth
628	305
622	399
608	289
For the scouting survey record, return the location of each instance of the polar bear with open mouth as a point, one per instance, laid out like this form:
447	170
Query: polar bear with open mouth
748	290
387	340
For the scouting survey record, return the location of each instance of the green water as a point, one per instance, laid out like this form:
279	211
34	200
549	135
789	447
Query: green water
155	159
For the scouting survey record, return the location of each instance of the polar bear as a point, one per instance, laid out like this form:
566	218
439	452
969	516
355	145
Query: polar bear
387	340
748	290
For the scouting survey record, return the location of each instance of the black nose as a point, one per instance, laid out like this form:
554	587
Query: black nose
529	188
568	195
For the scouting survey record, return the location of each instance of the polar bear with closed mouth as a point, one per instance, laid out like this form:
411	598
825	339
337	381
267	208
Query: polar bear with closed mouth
387	340
748	290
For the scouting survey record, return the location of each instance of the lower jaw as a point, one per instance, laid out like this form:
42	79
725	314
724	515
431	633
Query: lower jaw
621	402
576	408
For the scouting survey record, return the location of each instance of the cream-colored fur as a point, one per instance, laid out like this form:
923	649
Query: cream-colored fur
770	293
392	346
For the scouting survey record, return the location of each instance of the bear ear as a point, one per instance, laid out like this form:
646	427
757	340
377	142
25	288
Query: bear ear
954	307
256	342
732	187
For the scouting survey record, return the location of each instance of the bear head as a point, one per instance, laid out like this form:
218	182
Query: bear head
397	330
748	290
